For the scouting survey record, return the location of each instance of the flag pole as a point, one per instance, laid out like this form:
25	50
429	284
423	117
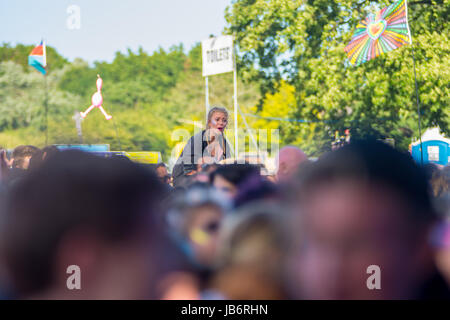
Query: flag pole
236	144
415	83
46	109
206	98
46	91
418	107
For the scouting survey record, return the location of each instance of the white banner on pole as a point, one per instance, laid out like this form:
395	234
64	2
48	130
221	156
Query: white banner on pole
217	55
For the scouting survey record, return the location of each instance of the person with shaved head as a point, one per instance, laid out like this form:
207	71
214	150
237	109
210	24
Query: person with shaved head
289	160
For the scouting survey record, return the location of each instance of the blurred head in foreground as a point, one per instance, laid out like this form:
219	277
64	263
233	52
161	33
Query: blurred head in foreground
227	178
93	213
257	188
441	242
362	205
162	173
41	156
195	219
439	180
22	156
250	256
289	160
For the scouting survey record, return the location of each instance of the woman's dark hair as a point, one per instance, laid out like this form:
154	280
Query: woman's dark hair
21	152
256	188
49	151
41	156
235	173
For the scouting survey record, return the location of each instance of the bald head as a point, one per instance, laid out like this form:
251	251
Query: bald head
289	159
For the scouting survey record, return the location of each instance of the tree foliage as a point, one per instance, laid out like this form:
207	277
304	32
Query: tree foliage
149	96
19	54
292	66
302	41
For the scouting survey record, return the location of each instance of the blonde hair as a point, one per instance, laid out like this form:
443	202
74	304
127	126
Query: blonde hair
216	109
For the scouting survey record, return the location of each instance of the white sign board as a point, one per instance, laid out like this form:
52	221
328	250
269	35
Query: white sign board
433	153
217	55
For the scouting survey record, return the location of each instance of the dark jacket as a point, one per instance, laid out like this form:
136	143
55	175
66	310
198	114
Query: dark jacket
192	152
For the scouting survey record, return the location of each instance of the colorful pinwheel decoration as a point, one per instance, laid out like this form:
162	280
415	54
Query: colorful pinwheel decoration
384	32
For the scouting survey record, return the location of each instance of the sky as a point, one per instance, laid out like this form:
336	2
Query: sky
103	27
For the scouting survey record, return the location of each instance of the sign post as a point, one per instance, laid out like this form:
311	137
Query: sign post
236	144
219	57
206	99
77	117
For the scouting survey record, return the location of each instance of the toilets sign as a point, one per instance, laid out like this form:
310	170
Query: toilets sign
217	55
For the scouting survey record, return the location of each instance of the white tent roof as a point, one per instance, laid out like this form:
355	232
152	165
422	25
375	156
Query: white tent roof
432	134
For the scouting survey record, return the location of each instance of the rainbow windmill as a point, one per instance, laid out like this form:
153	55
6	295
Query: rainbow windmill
384	32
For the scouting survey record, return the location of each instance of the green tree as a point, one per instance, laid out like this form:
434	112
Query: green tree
19	54
149	95
302	41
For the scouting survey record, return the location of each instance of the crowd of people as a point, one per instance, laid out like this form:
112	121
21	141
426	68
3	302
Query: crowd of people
222	229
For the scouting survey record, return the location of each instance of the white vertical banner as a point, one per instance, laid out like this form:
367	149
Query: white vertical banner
218	56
